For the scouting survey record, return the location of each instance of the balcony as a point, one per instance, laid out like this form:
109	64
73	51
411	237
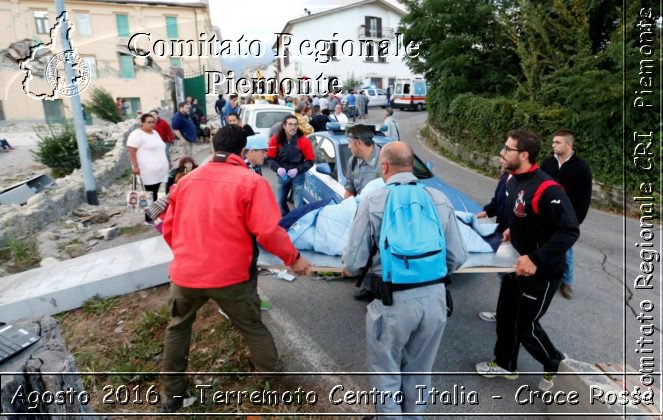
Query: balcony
375	33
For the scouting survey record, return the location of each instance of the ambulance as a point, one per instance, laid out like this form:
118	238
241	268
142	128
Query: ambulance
410	94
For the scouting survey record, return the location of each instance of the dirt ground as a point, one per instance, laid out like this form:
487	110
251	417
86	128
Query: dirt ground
125	334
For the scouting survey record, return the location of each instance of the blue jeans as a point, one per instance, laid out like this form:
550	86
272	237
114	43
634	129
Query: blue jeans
297	185
568	274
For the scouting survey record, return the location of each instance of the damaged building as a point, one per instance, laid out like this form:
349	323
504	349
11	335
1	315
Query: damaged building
102	29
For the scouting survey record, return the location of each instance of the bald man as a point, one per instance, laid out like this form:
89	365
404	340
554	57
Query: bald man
405	336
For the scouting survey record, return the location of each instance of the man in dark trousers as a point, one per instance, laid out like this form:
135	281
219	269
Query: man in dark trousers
234	211
573	173
219	106
542	227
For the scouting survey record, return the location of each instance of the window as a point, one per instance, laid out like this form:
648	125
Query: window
41	21
83	26
127	67
286	58
171	27
327	154
122	22
370	51
266	119
175	62
373	27
92	62
420	89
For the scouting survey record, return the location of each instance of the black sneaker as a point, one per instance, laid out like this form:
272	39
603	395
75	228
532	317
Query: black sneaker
364	295
172	405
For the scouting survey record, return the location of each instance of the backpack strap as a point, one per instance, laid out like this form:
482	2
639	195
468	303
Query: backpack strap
539	192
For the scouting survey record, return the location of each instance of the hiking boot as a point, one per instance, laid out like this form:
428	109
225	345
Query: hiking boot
488	316
492	370
172	405
364	295
546	383
566	290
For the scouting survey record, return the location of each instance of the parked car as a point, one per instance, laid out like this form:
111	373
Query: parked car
327	177
261	117
376	97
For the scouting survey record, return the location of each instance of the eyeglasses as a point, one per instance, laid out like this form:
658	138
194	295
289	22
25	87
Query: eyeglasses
509	149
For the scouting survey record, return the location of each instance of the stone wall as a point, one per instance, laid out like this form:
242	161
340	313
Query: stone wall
69	192
601	194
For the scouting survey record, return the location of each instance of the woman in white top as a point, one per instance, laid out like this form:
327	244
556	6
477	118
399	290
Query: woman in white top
147	153
338	115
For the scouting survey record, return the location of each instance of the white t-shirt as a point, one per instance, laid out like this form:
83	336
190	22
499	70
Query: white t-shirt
324	103
342	118
151	156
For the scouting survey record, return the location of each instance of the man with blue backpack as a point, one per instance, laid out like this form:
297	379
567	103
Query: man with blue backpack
408	234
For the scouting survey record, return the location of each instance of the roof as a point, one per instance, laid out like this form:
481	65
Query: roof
383	3
180	3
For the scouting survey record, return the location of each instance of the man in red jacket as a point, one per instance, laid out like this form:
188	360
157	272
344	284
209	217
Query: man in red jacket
165	132
216	216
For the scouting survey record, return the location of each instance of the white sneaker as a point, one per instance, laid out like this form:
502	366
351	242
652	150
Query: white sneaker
224	314
546	383
488	316
492	370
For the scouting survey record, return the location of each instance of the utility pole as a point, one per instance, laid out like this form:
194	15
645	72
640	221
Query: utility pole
77	110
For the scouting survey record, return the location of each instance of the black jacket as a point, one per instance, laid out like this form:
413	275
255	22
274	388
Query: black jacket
497	206
576	178
542	221
319	122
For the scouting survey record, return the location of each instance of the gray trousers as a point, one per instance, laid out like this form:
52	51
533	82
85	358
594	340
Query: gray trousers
405	337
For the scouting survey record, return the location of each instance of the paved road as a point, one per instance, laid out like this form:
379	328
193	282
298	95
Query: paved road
320	327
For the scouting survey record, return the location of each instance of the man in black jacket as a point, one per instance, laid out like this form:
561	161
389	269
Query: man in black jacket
542	227
573	173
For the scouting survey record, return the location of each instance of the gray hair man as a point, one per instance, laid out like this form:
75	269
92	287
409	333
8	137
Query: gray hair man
405	336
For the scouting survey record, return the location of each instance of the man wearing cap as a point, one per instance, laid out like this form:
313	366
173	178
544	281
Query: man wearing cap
255	153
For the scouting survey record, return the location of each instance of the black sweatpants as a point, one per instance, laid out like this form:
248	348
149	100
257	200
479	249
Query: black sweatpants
154	189
520	306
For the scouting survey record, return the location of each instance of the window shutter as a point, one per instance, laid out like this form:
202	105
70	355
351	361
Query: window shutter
122	25
379	27
171	27
367	26
286	59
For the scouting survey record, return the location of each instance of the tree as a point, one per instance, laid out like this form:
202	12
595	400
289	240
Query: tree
102	105
465	47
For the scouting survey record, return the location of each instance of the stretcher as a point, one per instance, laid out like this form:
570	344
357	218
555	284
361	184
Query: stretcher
501	261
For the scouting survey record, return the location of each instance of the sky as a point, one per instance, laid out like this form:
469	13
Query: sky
260	19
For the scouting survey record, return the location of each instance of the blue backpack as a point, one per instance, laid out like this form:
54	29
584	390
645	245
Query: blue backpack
412	245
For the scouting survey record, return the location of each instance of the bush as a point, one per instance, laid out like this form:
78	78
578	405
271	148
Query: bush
57	149
103	106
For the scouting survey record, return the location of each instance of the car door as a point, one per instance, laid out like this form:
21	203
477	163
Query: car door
371	97
381	98
319	186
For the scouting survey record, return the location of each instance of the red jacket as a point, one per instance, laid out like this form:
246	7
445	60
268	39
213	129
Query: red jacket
163	128
214	213
297	153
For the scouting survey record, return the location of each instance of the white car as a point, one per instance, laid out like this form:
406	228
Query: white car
376	97
261	117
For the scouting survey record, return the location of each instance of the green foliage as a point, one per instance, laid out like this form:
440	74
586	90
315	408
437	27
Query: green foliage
351	83
496	66
97	305
57	149
20	255
102	105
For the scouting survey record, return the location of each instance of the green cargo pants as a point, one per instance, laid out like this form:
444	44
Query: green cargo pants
242	305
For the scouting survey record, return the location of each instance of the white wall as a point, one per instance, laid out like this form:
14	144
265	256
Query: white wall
346	23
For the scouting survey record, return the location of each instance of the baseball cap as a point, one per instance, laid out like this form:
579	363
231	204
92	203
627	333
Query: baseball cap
256	142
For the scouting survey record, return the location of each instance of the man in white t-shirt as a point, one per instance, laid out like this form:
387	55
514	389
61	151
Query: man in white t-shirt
338	115
147	154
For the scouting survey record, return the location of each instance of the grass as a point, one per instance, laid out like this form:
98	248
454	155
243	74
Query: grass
126	334
20	255
133	230
97	305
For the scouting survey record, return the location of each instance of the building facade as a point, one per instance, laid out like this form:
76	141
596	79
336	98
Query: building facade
102	30
357	23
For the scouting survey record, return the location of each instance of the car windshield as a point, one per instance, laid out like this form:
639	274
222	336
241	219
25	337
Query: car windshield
266	119
421	171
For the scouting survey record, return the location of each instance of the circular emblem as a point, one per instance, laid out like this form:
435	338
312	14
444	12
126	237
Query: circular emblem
56	75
